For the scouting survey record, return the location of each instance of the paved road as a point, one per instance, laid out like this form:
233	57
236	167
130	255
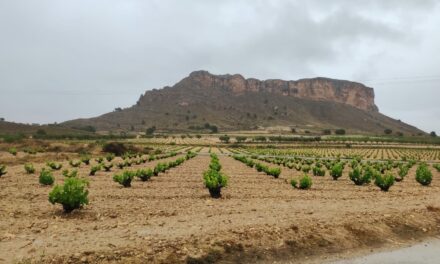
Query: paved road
423	253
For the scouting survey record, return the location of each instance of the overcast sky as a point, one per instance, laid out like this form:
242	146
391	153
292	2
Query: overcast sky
61	60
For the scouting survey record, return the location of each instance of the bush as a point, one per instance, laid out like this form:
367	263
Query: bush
305	182
100	159
403	171
2	170
260	167
340	131
318	171
384	182
107	167
275	172
109	157
294	183
75	163
70	174
214	181
72	194
360	177
94	170
336	171
29	168
423	175
125	178
54	165
144	174
85	160
305	168
46	177
437	167
224	138
13	151
115	148
160	167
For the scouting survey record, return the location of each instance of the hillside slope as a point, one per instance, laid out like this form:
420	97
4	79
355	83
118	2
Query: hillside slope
232	102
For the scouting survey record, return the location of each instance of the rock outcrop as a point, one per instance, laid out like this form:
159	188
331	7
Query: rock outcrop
318	89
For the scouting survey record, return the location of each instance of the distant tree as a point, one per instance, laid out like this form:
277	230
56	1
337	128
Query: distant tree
150	130
388	131
198	136
399	134
214	129
326	132
240	139
340	131
293	130
433	134
224	138
118	109
260	138
132	128
41	132
2	119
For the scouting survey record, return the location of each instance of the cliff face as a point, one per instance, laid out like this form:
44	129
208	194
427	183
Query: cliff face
317	89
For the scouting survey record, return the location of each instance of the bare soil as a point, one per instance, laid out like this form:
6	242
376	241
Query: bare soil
172	219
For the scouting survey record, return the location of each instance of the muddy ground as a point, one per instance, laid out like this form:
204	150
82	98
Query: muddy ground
172	219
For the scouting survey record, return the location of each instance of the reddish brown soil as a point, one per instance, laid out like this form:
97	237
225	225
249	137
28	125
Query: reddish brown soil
172	219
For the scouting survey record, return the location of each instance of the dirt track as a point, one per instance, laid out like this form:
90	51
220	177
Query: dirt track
172	218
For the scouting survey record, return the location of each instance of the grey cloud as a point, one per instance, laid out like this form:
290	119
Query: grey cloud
68	59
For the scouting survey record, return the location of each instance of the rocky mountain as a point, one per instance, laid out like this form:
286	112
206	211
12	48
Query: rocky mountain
232	102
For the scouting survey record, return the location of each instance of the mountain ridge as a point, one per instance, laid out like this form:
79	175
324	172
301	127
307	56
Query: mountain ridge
232	102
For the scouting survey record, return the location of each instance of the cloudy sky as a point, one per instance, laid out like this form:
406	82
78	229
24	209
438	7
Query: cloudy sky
61	60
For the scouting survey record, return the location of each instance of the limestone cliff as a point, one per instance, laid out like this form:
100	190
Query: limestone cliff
318	89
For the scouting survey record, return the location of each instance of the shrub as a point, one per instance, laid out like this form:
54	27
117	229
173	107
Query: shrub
275	172
109	157
318	171
360	177
115	148
437	167
2	170
224	138
94	170
294	183
54	165
160	167
120	165
75	163
305	182
72	194
99	159
144	174
70	174
336	171
384	182
29	168
46	177
423	175
305	168
125	178
403	171
340	131
214	181
13	151
107	167
260	167
85	160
